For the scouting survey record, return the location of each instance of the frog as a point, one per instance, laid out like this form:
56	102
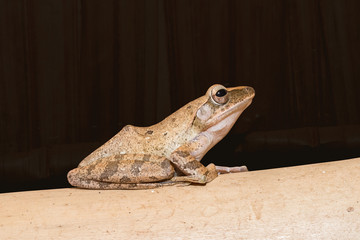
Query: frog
169	152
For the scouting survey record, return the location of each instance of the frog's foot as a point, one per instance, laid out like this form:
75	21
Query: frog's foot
189	179
223	169
210	175
212	172
94	184
130	186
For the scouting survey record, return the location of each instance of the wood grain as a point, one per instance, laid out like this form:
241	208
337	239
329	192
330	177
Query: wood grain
320	201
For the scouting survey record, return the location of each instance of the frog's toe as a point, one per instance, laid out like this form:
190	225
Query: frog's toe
203	179
223	169
190	179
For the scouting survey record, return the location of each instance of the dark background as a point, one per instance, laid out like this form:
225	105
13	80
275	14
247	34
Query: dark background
74	72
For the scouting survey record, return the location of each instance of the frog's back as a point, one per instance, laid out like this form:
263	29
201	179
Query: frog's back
123	142
160	139
137	140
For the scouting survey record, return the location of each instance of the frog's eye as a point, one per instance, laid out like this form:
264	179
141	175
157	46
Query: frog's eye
220	95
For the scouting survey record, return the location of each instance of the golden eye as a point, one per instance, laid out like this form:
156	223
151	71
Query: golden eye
220	95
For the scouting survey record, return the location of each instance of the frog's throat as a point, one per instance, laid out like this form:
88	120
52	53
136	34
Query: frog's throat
216	132
213	135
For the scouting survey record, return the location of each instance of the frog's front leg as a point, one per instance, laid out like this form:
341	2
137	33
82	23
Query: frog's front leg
127	171
187	157
195	171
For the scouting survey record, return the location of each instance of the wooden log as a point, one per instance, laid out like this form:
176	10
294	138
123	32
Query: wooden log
319	201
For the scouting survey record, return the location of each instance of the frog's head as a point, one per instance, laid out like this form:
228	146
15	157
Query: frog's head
221	110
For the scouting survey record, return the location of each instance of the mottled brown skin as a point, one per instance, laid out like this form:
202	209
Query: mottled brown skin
167	153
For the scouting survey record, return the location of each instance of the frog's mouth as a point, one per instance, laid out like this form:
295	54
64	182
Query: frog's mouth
227	120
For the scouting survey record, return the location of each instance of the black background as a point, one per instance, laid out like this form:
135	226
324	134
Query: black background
74	72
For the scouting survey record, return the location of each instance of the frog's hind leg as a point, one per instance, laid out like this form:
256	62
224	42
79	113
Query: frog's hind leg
123	172
209	175
93	184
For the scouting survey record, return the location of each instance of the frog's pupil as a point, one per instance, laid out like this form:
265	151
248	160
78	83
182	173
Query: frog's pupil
221	93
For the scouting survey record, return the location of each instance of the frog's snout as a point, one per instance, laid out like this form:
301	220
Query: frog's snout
249	91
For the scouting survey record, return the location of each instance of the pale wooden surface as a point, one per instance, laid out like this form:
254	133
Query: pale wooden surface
320	201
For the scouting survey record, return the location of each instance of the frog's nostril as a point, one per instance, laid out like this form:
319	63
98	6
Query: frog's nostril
250	90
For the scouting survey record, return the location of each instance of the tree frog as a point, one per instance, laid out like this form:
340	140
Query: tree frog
169	152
